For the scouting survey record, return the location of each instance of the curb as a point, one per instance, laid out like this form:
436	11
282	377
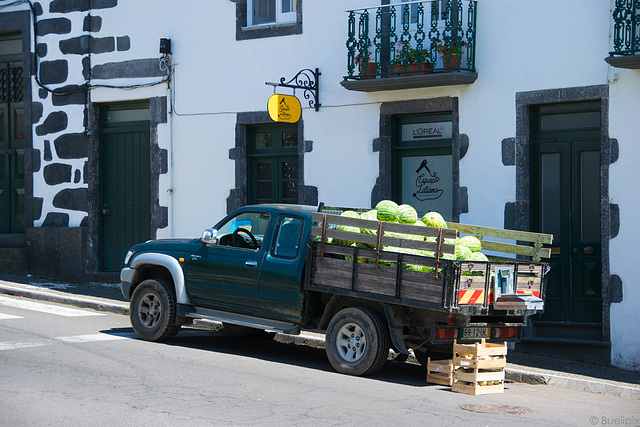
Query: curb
98	304
317	341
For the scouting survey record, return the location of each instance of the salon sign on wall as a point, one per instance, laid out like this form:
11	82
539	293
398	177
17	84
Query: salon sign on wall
425	131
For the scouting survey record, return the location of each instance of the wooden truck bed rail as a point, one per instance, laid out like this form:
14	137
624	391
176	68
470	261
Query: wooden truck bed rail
383	263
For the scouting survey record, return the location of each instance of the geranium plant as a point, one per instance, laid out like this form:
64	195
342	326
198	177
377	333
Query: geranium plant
454	48
405	54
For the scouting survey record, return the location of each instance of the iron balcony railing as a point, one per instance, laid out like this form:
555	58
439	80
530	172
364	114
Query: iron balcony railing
626	27
412	37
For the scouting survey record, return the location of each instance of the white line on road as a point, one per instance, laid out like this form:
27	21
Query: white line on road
9	316
15	345
58	310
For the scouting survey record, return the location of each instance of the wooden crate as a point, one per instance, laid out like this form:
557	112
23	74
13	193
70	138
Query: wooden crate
440	371
475	389
479	368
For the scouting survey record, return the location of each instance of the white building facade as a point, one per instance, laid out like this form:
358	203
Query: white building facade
128	120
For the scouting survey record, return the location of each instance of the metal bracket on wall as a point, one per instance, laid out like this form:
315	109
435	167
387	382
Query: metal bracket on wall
309	81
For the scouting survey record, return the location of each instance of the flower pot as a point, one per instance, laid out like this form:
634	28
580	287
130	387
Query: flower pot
412	69
452	63
368	70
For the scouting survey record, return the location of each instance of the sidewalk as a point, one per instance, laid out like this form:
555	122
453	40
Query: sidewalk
521	367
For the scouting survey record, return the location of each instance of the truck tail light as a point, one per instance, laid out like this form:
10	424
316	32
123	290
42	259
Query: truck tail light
505	332
446	334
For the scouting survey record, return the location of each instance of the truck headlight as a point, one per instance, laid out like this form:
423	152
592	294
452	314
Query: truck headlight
127	257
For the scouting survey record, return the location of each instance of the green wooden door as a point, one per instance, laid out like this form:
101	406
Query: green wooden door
272	164
565	171
11	148
125	182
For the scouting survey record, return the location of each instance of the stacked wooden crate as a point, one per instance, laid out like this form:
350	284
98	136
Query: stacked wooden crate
440	371
479	367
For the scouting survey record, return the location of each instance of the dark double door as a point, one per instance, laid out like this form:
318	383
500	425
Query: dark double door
12	139
566	202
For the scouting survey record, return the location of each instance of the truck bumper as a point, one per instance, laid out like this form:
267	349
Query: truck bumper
126	277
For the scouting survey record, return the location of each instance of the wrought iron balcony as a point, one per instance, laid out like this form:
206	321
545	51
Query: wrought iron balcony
626	35
411	44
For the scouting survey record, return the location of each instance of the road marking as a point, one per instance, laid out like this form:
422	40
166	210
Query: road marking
16	345
97	337
21	344
57	310
9	316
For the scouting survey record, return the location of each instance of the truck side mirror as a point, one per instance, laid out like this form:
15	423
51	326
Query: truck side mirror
209	237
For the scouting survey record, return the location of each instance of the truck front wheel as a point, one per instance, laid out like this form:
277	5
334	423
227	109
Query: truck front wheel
357	341
153	311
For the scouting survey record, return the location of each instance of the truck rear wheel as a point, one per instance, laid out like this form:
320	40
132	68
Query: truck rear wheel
357	341
153	311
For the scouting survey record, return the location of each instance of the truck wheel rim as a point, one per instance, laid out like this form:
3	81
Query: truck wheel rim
351	342
149	310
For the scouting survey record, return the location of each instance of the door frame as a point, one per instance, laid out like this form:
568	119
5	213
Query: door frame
159	166
517	213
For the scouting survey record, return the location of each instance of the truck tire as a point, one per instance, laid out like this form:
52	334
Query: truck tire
357	341
153	311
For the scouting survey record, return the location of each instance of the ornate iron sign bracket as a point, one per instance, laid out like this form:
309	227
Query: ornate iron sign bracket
309	81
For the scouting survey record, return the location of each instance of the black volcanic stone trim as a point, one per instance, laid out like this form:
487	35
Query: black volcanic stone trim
86	67
56	219
75	199
36	111
47	151
73	98
65	6
71	146
615	219
128	69
55	122
37	206
57	173
41	50
87	44
92	24
76	177
123	43
52	72
37	9
32	166
509	151
53	26
43	93
615	289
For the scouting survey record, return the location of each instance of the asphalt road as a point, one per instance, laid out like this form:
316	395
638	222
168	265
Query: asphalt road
67	366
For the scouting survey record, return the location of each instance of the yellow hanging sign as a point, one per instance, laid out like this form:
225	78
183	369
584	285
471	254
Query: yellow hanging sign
284	108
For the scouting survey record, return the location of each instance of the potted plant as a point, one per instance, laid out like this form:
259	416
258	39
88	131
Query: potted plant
366	67
408	58
451	52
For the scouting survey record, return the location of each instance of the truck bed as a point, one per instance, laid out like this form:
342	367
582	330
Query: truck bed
391	272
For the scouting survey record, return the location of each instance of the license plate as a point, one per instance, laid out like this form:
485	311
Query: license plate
475	333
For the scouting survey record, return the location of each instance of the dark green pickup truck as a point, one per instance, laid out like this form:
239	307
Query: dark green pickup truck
272	267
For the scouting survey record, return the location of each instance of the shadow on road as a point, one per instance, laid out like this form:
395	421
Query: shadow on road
267	349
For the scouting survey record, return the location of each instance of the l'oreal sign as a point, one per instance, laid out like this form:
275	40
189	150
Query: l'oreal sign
422	131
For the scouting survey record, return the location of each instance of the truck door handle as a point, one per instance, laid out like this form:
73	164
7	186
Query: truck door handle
251	264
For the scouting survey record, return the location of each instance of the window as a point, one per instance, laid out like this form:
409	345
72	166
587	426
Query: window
252	223
289	233
267	18
271	11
